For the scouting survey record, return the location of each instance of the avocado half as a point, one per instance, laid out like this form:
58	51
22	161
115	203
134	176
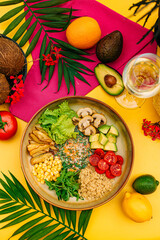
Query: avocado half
101	70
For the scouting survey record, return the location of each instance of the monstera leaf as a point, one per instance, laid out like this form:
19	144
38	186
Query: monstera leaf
39	15
43	220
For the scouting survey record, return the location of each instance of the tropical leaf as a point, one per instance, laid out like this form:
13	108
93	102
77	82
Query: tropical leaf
44	69
51	227
47	14
78	75
15	22
22	29
11	2
11	13
48	3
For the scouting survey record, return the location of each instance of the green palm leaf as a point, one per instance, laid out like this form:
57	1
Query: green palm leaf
4	195
15	22
27	35
34	42
52	10
11	2
76	56
77	64
48	3
22	28
55	17
32	1
27	225
33	229
53	25
84	227
8	189
44	69
66	76
42	51
71	77
60	73
11	13
79	76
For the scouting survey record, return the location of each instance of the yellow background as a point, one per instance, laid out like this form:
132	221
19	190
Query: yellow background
108	222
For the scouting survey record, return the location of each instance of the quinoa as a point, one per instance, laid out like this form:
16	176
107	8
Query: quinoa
92	184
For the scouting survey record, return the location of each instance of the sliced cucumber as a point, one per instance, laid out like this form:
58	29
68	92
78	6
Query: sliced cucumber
95	145
94	138
113	130
112	138
104	128
102	139
110	147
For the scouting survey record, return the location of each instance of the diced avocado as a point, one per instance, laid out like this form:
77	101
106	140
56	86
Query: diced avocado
109	79
94	138
95	145
102	139
110	147
113	130
104	128
112	138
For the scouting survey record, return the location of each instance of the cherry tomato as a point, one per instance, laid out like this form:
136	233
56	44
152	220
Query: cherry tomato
8	125
109	174
99	152
94	159
103	165
119	159
116	170
99	170
110	157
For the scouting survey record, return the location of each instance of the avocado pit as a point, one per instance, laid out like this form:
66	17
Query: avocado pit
110	80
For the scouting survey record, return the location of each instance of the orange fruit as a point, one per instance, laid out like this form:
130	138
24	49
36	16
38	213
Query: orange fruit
83	32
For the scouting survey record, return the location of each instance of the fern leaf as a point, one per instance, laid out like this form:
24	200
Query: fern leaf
11	2
35	197
34	42
14	215
27	225
22	28
48	3
19	219
11	13
54	235
15	22
32	231
27	35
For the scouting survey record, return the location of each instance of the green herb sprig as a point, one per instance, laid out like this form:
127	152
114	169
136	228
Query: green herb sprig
43	220
66	185
47	14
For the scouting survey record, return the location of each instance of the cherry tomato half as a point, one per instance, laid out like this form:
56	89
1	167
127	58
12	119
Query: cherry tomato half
109	174
99	170
116	170
99	152
94	159
103	165
110	157
119	159
8	125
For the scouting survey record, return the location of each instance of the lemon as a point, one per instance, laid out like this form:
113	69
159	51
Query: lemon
137	207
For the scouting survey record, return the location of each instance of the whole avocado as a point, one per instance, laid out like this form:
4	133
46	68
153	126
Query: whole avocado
110	47
145	184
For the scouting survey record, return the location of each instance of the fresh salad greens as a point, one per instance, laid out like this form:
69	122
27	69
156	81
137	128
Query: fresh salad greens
66	185
58	123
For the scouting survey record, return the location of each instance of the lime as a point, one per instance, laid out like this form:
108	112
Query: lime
145	184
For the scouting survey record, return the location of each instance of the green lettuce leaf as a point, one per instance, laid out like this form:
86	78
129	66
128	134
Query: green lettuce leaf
58	123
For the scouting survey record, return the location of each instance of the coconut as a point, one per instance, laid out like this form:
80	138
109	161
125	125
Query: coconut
11	57
4	88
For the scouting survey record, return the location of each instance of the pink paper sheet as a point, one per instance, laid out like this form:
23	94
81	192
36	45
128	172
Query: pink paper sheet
34	98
